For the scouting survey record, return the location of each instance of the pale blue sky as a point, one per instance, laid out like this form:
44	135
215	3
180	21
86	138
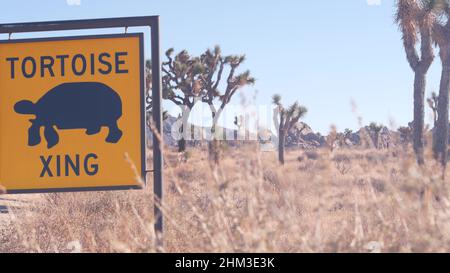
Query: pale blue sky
322	53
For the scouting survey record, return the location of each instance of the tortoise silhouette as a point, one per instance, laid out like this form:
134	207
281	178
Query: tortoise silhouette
79	105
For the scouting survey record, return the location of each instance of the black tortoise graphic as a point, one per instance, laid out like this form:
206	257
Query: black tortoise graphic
80	105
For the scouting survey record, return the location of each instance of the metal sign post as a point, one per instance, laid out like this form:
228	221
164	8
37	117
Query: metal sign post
147	21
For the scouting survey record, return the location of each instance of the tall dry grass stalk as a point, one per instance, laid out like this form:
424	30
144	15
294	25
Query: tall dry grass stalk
341	201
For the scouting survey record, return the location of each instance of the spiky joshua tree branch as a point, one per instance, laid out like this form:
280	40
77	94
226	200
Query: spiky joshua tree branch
285	119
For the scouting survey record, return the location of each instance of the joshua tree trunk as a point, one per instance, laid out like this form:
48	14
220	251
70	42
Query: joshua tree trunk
186	111
281	141
441	134
214	151
182	141
214	145
377	141
418	127
281	134
416	23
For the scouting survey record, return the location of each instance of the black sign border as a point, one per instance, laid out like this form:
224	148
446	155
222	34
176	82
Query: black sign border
152	22
140	36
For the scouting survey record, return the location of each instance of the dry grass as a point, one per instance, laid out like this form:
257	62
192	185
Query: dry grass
340	201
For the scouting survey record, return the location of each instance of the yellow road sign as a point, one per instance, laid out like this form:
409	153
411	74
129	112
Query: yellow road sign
72	113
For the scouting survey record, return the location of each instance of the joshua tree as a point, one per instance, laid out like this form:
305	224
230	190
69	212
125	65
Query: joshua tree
284	119
189	79
348	132
148	95
441	35
347	136
220	71
376	129
332	138
405	134
433	104
148	86
238	121
182	84
416	18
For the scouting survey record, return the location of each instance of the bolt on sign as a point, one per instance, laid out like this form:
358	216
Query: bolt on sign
72	113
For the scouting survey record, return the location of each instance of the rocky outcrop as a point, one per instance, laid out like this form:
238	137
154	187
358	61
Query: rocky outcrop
167	127
300	136
381	138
